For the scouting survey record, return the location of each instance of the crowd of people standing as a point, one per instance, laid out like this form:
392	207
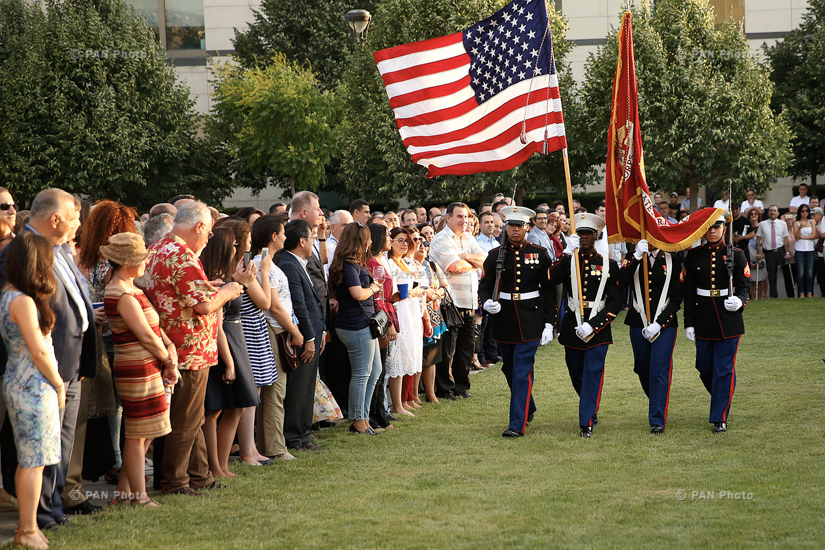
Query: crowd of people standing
191	332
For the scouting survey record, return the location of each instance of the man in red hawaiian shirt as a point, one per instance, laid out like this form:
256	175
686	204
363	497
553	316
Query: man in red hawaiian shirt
187	306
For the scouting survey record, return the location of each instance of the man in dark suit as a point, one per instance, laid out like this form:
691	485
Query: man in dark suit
309	309
55	216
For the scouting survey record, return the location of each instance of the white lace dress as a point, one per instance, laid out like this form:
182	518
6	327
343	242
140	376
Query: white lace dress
406	356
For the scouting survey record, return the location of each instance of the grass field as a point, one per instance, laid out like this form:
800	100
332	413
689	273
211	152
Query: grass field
447	479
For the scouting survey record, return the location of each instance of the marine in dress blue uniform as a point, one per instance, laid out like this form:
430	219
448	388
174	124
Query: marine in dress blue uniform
653	342
586	339
713	318
522	318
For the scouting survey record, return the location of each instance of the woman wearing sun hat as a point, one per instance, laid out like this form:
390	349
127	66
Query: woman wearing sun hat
145	360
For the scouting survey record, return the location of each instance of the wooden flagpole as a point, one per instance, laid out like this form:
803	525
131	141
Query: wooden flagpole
573	225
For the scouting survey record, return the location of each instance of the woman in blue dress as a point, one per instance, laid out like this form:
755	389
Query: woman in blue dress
32	387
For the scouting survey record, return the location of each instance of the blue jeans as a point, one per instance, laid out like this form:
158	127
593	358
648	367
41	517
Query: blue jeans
805	271
365	360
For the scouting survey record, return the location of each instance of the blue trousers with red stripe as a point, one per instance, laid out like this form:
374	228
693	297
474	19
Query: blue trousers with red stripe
586	368
653	363
716	361
518	370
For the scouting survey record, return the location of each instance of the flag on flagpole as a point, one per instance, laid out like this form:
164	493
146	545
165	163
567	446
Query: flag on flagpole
625	184
480	100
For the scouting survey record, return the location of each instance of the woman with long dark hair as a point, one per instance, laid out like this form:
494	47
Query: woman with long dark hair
355	289
806	234
231	385
380	417
32	387
259	295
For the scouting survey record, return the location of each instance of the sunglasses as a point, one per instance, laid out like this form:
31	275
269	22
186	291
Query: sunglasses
6	206
402	241
418	239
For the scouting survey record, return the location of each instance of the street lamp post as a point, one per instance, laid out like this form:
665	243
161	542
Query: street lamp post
359	22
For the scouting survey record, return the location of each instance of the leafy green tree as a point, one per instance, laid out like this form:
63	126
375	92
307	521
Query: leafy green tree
704	102
374	162
276	122
798	73
312	32
90	105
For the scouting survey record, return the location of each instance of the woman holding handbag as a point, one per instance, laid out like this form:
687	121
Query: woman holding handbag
351	284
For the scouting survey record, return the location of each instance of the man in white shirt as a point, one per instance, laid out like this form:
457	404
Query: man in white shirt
460	257
751	202
772	244
486	239
337	222
686	203
724	202
800	199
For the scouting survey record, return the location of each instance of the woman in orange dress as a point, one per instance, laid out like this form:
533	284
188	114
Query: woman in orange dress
145	361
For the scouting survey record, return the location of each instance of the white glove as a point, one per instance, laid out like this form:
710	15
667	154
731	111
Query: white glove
547	334
733	303
690	333
641	249
492	307
584	330
572	244
651	330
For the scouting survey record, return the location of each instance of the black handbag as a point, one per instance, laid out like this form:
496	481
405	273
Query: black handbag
379	323
450	312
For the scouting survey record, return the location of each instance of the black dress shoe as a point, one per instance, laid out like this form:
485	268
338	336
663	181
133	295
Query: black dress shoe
586	431
311	447
510	432
53	526
85	508
656	429
449	396
465	395
720	427
299	448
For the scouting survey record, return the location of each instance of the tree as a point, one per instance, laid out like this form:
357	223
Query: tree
798	73
90	105
311	32
276	122
704	102
374	162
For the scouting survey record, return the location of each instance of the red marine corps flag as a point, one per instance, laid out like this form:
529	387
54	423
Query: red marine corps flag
631	215
481	100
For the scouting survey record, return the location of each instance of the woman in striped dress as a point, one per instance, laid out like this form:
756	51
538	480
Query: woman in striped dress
145	360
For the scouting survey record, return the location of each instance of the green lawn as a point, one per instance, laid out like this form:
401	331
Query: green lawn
448	479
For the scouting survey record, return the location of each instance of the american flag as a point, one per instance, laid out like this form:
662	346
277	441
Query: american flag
480	100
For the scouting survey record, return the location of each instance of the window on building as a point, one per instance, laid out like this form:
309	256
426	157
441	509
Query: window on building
178	25
725	9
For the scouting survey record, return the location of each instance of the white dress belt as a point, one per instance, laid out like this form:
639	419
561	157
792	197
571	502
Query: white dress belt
716	293
516	297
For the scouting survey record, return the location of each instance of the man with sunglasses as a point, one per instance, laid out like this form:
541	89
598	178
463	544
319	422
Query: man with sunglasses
8	210
751	202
